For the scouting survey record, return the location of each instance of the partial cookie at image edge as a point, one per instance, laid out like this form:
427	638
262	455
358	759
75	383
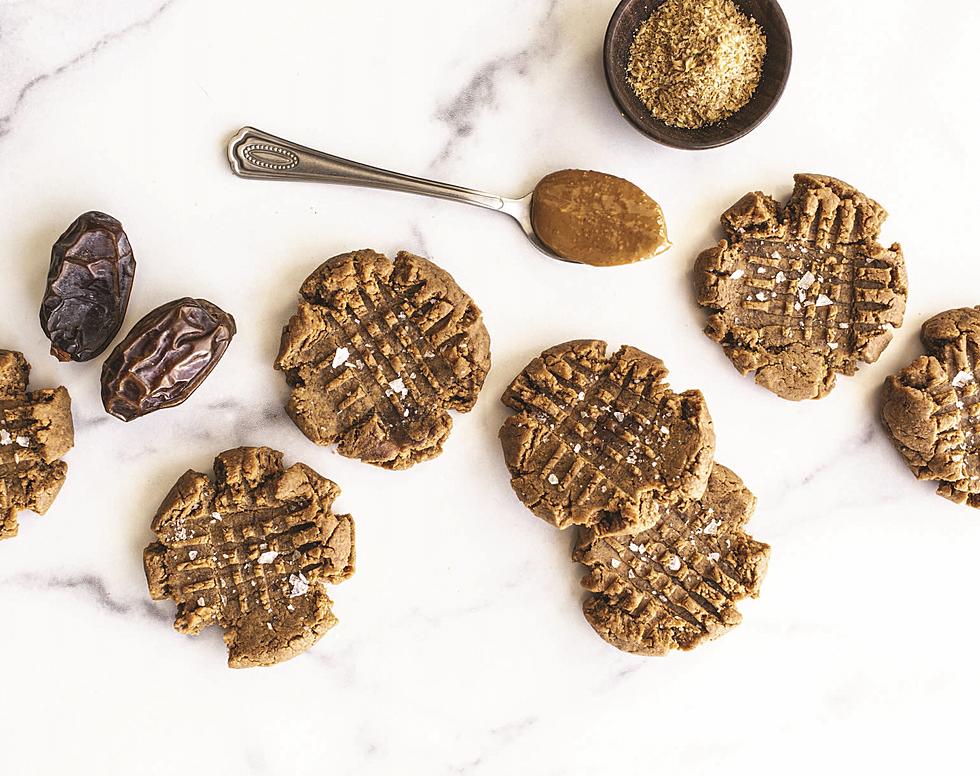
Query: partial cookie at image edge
931	408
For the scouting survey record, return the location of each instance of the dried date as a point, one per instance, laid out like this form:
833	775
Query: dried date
165	357
89	282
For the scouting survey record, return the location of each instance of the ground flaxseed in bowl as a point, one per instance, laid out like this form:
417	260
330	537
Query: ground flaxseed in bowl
694	63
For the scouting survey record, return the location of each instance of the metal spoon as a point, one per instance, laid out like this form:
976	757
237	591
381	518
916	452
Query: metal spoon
256	154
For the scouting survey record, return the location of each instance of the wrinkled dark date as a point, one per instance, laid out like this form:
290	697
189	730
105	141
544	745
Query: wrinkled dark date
89	281
165	357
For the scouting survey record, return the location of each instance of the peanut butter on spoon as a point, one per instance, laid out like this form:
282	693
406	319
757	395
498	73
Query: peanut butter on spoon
595	218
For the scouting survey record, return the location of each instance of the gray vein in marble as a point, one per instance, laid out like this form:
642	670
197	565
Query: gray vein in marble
7	119
510	731
842	455
89	587
420	247
500	736
858	442
480	92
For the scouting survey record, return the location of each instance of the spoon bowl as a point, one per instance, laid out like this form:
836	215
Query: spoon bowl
627	19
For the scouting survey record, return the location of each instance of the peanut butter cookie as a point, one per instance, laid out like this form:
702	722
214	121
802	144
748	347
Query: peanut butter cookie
253	552
932	407
676	584
802	292
35	431
602	441
377	354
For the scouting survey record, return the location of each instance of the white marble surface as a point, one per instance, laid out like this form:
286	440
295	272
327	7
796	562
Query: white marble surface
461	647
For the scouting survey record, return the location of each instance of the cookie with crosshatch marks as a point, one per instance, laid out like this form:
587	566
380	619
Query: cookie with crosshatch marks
803	292
253	552
603	441
35	431
377	354
932	407
676	584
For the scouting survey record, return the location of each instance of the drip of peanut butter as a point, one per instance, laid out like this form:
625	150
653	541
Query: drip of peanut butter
597	219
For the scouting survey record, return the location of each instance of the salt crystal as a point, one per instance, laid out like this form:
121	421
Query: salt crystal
805	281
4	437
581	395
615	563
776	255
712	527
215	516
634	547
192	554
630	574
796	306
23	441
824	301
760	270
577	448
674	564
843	325
962	378
714	556
300	585
398	386
200	602
959	405
268	557
737	274
619	416
553	478
761	296
833	345
340	357
664	430
780	276
268	625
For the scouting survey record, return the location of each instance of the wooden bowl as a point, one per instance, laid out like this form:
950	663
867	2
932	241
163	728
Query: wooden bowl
627	19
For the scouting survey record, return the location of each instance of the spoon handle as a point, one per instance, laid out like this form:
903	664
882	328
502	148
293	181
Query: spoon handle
256	154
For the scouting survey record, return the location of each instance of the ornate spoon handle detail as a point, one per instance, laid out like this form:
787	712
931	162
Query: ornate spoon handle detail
256	154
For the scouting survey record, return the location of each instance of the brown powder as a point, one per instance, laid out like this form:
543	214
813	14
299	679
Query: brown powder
696	62
595	218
